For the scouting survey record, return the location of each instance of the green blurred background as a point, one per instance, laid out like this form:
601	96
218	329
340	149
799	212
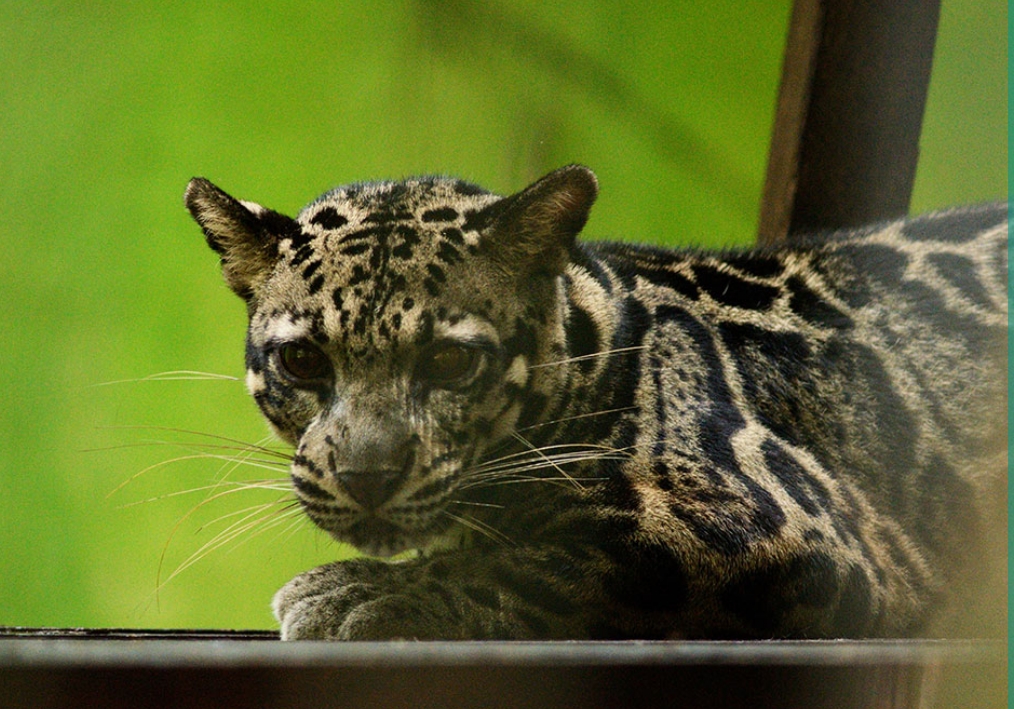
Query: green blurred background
107	109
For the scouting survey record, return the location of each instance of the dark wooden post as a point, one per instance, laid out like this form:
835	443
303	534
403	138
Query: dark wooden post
846	137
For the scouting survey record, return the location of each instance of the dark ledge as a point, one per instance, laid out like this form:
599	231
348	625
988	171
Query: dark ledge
167	668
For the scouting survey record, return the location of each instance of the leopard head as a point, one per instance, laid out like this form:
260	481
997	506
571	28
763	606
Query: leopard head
393	329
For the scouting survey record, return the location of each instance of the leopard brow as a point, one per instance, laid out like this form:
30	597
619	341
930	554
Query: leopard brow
284	331
479	342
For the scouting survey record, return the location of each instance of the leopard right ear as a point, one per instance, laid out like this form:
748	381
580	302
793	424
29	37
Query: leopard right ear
245	235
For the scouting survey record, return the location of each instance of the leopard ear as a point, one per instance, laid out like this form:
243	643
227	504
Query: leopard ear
532	231
245	235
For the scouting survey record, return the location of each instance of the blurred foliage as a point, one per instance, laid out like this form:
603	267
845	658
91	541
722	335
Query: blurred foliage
109	108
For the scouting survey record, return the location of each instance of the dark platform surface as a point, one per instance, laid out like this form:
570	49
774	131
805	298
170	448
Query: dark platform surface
128	668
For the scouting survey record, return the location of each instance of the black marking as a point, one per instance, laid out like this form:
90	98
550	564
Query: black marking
763	597
854	606
453	235
891	445
256	358
388	215
961	273
309	489
448	254
476	220
872	263
958	226
366	234
650	577
582	337
299	238
431	287
729	289
533	588
730	533
433	491
756	265
482	596
522	342
813	535
808	492
658	447
408	234
814	309
355	249
467	189
329	218
301	255
778	371
668	278
424	334
359	275
310	269
436	273
441	214
316	284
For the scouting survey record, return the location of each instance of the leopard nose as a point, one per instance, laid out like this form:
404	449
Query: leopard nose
372	487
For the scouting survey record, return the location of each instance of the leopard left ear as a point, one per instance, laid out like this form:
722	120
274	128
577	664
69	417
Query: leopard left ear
532	231
245	235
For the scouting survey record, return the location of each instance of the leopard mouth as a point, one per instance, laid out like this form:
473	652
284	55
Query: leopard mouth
376	536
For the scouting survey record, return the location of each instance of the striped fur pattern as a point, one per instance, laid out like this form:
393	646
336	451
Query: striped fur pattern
603	440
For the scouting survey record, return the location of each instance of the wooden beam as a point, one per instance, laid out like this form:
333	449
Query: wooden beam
846	137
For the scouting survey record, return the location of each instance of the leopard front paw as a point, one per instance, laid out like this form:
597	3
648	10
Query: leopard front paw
358	600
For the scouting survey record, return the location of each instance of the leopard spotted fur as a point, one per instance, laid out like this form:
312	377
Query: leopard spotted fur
602	440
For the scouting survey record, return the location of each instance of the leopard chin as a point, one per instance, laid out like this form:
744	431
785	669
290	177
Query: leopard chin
383	538
377	537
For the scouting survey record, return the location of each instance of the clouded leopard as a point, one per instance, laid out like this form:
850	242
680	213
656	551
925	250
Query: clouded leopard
603	440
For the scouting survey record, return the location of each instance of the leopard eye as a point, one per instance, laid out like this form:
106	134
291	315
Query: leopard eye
303	363
448	365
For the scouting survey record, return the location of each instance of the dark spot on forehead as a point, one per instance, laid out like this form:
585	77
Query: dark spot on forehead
476	220
431	287
359	275
453	235
468	189
299	239
441	214
448	254
436	273
386	216
329	218
316	284
355	249
301	255
311	268
408	234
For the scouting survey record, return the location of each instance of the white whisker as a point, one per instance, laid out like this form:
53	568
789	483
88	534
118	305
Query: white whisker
482	528
178	375
594	355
